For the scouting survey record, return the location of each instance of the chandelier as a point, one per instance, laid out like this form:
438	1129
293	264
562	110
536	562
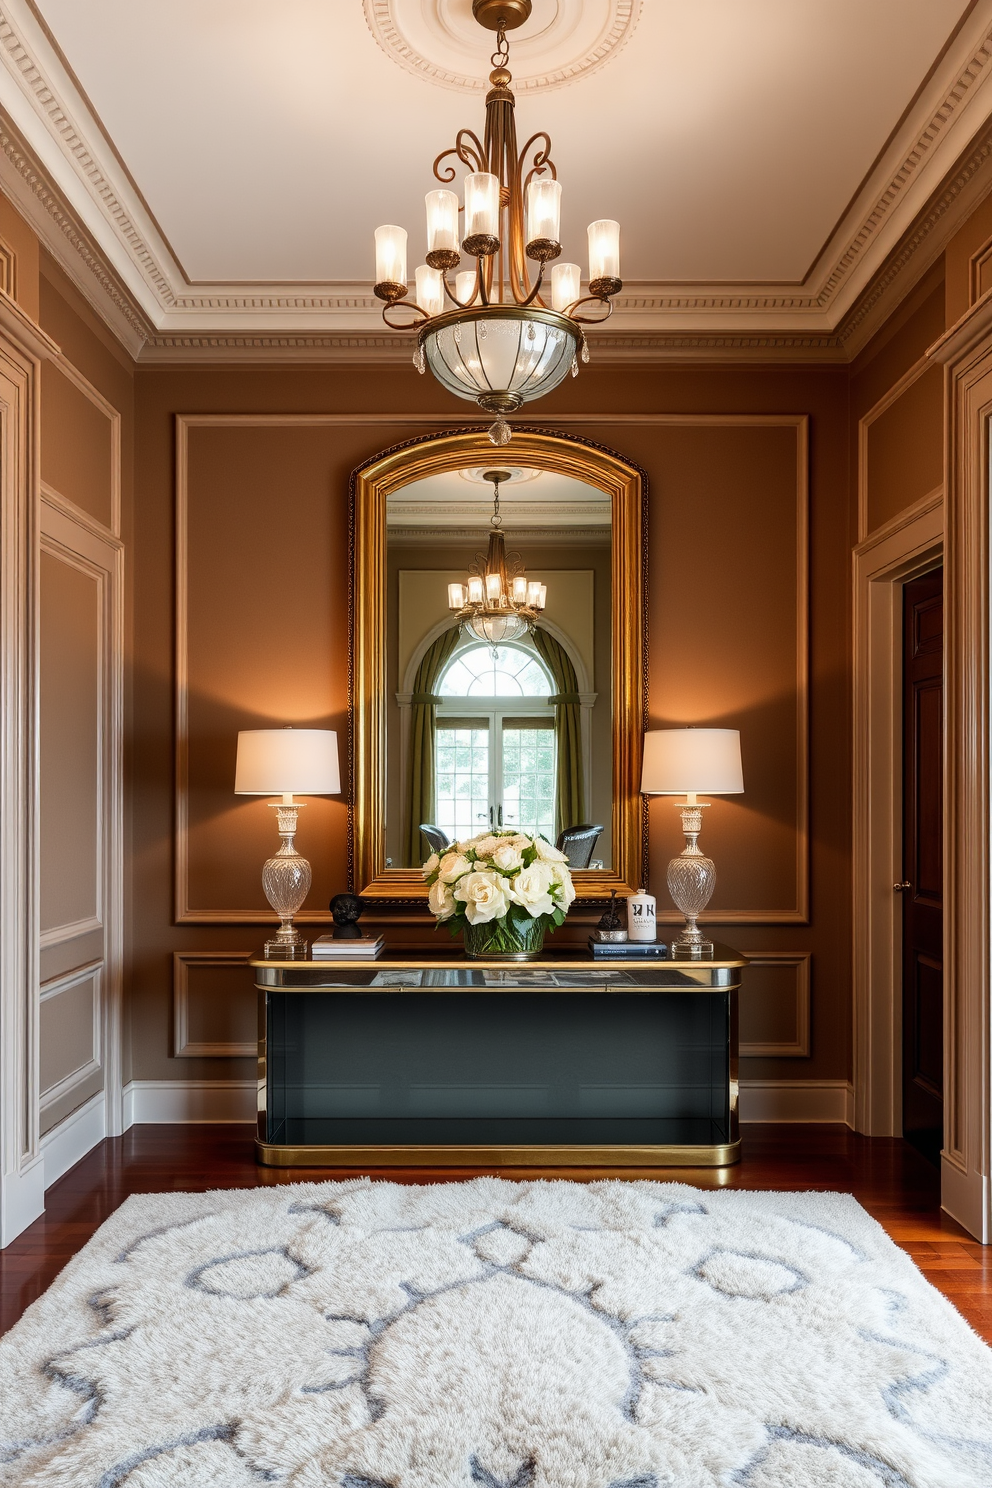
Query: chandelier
508	330
498	602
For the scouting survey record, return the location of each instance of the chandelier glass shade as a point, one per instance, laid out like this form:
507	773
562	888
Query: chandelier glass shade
510	329
497	602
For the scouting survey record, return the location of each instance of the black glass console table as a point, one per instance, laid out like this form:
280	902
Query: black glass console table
435	1060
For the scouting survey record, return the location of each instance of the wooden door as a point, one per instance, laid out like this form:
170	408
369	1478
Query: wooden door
922	886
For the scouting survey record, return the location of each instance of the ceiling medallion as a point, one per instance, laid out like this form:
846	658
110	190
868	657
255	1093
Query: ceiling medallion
497	602
496	336
566	40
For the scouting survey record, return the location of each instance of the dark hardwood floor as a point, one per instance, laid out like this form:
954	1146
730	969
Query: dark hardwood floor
891	1180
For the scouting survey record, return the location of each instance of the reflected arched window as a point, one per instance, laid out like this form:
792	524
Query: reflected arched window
503	671
495	741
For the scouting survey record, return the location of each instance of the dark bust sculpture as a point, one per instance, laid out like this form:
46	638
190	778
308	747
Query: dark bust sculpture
347	910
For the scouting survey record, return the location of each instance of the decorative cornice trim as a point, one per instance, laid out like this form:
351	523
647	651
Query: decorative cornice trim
65	233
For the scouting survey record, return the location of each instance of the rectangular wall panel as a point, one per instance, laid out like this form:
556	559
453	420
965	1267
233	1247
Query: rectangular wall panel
214	1005
775	1005
70	673
80	443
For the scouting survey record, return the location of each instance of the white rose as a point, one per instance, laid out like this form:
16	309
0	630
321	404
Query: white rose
431	864
452	866
441	900
485	895
564	889
507	857
486	846
547	853
532	889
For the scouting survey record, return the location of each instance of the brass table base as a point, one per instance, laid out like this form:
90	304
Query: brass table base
722	1155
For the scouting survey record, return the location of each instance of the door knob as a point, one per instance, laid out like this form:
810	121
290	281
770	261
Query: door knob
901	887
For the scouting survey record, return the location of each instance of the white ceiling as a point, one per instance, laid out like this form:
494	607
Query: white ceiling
221	149
531	498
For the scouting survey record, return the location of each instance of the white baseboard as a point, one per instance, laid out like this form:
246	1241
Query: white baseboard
22	1199
965	1197
797	1100
234	1100
183	1101
74	1136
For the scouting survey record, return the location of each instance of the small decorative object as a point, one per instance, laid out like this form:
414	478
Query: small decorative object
610	927
347	911
501	890
694	761
642	918
284	762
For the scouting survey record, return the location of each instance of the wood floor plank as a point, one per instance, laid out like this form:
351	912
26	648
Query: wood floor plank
893	1182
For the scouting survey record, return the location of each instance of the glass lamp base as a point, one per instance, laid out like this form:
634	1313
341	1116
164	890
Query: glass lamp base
285	950
691	950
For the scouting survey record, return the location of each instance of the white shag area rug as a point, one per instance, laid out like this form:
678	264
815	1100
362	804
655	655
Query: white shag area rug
513	1335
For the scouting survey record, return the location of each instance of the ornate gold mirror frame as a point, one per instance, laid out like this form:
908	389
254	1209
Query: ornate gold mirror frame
371	486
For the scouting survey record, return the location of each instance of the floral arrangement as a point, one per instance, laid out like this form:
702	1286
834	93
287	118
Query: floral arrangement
519	884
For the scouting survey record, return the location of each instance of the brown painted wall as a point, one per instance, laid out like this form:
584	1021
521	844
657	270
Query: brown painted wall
267	639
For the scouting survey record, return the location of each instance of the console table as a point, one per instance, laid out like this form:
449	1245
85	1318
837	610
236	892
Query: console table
433	1060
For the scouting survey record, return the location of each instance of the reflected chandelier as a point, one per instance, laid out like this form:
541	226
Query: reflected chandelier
504	339
498	602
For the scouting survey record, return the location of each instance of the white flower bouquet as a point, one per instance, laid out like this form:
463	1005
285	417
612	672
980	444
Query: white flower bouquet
501	890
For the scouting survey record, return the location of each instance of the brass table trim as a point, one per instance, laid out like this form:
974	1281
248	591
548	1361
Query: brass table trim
721	1155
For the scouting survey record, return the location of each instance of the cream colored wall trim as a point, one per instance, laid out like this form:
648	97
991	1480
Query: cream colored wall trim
93	972
71	1139
8	270
905	547
61	170
194	1101
792	914
197	1101
183	1046
895	392
966	1161
59	934
780	1048
79	540
110	413
22	345
797	1100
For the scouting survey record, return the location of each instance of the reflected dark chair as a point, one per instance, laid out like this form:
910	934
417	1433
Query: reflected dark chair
436	839
578	843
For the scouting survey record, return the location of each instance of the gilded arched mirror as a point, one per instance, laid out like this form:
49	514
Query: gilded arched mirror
461	723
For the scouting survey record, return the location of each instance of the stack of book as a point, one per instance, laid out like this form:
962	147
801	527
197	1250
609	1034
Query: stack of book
627	950
326	948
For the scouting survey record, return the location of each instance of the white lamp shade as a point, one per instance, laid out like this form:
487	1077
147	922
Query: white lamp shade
704	760
275	762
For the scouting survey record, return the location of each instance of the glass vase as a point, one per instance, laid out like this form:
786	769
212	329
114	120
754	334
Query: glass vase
504	940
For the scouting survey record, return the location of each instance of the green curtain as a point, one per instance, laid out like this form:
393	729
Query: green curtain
569	785
423	721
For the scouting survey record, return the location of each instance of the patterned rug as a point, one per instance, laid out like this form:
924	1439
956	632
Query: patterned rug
513	1335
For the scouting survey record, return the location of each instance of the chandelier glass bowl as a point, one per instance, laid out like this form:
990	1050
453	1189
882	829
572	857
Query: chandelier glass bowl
510	329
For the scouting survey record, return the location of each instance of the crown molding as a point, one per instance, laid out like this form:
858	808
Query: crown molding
64	176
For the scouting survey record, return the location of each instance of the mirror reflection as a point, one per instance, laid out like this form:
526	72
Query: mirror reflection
498	653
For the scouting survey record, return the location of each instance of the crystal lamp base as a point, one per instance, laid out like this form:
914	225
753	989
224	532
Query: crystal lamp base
691	881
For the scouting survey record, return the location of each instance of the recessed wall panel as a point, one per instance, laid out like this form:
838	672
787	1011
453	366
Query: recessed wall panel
70	743
77	445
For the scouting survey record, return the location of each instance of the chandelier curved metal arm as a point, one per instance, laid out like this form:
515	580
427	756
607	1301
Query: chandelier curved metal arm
508	220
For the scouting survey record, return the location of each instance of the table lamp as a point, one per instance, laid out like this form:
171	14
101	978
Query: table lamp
285	762
692	761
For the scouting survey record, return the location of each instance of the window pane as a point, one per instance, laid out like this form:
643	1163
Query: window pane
462	772
529	780
510	671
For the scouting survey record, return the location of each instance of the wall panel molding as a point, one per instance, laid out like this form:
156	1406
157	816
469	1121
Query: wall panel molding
799	962
79	1076
93	395
187	913
183	1046
888	400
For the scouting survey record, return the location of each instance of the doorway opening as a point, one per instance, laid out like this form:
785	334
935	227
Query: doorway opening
921	885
